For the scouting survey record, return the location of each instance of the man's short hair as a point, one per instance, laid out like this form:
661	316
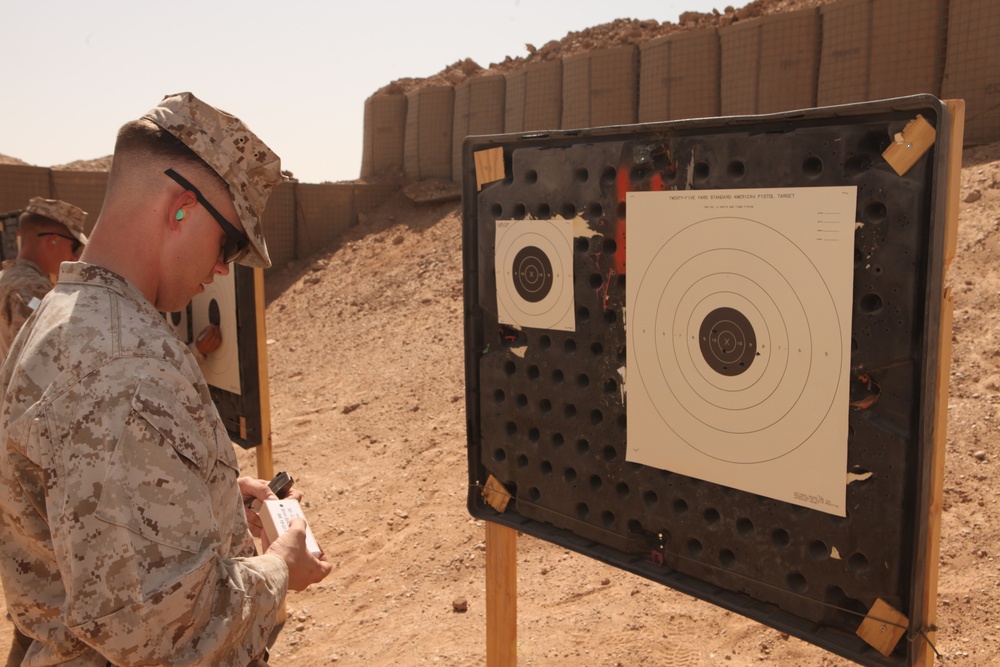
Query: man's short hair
143	137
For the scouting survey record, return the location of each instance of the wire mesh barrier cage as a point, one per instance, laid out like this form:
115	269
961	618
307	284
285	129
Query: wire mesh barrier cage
843	52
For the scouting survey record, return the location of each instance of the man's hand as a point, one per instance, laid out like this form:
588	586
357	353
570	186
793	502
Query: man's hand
304	569
252	489
209	339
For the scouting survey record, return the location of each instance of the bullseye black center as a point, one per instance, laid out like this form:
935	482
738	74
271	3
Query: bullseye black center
532	274
727	341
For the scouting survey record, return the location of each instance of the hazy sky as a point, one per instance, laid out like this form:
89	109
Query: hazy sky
296	71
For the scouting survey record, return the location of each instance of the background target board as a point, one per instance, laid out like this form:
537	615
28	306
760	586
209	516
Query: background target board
180	322
739	338
749	405
232	371
534	273
217	305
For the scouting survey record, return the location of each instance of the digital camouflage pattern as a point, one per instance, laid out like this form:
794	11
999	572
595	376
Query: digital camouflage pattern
73	218
20	281
229	147
122	531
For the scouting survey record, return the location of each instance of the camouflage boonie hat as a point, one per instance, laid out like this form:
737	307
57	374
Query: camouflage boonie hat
69	216
229	147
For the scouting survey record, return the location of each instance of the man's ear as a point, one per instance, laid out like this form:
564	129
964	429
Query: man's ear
180	209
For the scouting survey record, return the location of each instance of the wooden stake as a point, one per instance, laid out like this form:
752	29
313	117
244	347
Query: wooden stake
928	603
501	596
265	452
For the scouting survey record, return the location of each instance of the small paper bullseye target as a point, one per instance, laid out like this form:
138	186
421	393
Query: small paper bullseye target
534	273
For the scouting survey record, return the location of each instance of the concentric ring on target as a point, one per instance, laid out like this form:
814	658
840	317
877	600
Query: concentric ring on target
728	341
723	292
532	274
753	391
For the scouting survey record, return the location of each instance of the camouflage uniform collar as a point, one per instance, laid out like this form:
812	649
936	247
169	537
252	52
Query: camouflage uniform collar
82	273
32	265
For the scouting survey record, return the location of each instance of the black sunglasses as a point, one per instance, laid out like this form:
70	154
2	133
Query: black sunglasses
75	249
237	243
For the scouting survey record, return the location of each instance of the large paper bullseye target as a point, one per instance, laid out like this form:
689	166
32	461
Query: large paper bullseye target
738	326
533	262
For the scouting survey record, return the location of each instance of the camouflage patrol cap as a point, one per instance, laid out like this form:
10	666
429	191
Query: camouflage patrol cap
69	216
229	147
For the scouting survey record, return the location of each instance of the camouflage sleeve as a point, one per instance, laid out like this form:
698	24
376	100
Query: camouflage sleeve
150	522
17	313
15	300
34	290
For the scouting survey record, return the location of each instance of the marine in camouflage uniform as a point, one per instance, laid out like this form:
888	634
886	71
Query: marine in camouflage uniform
24	281
119	463
124	538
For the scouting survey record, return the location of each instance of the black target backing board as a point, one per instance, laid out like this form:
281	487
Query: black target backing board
232	372
548	384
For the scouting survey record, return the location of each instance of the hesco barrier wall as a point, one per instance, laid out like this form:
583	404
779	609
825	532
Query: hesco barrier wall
972	65
385	130
863	60
479	109
280	225
770	64
534	97
846	51
19	183
300	218
427	142
600	88
679	76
